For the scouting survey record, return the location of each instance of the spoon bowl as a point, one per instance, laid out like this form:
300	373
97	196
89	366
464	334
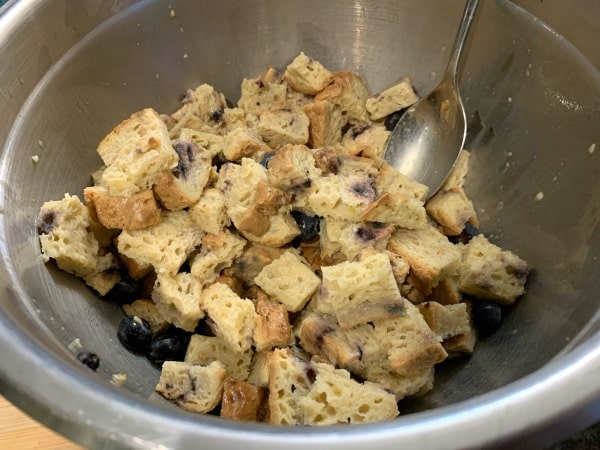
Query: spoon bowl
426	141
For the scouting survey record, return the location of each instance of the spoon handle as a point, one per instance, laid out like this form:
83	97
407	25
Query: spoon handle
459	42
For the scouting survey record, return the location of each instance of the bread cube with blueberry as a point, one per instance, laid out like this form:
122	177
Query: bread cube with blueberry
366	140
306	75
399	96
203	105
486	271
351	238
264	93
312	393
135	153
193	387
292	168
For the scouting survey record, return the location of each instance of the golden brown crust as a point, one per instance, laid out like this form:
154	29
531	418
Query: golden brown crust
243	401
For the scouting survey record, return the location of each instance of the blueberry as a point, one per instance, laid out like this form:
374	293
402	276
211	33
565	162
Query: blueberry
392	119
126	290
135	334
309	225
265	161
467	233
486	316
169	346
89	359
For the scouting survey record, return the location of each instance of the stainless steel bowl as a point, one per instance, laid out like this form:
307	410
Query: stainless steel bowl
70	70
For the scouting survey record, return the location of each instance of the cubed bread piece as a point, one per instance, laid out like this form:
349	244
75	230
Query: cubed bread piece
241	143
446	292
325	123
106	275
136	270
366	140
178	299
368	351
328	160
209	211
238	118
270	200
400	267
234	317
308	393
182	186
104	236
209	141
260	94
391	181
273	327
283	126
399	96
357	165
62	227
135	212
430	255
405	212
487	271
461	344
351	238
243	401
292	168
192	387
165	245
216	253
282	229
340	197
306	75
204	104
135	153
147	310
349	92
206	349
362	291
445	320
288	280
452	210
456	178
259	371
252	260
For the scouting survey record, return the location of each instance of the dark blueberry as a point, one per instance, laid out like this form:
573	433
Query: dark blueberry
392	119
89	359
45	222
365	189
216	115
366	234
169	346
309	225
467	233
206	327
265	161
486	316
186	151
126	290
135	334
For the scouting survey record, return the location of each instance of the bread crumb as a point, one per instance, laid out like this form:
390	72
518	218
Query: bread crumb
509	99
40	143
35	158
172	13
75	345
539	196
592	148
118	379
185	56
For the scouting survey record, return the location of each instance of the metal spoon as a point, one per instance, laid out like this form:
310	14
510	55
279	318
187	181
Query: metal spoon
428	138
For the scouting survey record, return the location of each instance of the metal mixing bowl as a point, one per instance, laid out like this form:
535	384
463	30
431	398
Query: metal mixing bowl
70	70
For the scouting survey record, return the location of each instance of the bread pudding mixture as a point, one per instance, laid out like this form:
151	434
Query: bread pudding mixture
271	262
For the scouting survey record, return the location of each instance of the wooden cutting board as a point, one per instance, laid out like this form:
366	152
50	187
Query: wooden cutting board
18	431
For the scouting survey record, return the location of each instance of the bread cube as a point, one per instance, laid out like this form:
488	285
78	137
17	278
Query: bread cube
283	126
445	321
306	75
241	143
362	291
405	212
349	92
366	140
135	153
399	96
147	310
486	271
206	349
177	299
292	168
209	211
204	103
216	253
325	123
194	388
243	401
288	280
272	324
234	317
393	182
